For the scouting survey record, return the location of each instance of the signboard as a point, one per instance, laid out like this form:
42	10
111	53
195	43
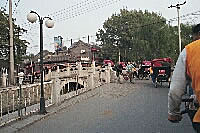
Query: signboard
93	49
57	43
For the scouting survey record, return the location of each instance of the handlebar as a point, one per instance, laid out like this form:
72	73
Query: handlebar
186	100
184	111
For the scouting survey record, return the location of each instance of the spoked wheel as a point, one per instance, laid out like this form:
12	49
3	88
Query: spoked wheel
169	82
141	76
156	83
125	77
147	76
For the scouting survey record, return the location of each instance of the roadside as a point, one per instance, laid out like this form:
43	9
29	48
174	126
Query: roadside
34	117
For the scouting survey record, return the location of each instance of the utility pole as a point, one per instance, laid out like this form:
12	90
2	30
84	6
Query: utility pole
88	39
18	50
11	70
177	6
71	42
119	56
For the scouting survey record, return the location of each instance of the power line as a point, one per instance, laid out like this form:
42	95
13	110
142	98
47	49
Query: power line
81	9
16	5
73	11
4	7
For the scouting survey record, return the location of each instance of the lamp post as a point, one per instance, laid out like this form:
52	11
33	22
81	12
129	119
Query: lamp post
32	17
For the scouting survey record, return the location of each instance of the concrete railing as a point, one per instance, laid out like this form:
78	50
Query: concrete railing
57	89
14	104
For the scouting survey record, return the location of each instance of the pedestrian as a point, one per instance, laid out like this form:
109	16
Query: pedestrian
187	67
33	77
119	69
129	69
152	74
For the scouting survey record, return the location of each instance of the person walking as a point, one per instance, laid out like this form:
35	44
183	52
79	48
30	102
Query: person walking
129	69
119	69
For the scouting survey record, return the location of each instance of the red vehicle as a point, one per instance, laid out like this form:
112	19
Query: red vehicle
144	72
161	70
146	63
106	62
123	64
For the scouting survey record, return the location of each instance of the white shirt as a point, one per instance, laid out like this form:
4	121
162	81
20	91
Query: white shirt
178	84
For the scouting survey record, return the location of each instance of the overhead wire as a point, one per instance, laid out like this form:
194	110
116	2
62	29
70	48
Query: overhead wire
81	8
15	6
6	4
73	11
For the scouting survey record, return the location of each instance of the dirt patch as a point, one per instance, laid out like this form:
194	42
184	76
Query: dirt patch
115	90
107	113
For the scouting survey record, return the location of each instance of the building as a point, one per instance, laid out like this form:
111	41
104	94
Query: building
82	51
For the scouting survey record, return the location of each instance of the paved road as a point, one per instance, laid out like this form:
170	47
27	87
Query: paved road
118	108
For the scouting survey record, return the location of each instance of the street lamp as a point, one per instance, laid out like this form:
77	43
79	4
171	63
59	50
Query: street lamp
32	17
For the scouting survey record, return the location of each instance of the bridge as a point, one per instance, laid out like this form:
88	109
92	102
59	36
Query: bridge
60	85
96	104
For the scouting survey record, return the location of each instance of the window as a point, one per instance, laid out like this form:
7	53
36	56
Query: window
82	51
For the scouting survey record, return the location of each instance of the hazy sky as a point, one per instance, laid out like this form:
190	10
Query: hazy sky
88	16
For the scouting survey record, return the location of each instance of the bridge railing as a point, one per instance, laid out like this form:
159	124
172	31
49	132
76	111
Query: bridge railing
69	71
56	82
10	101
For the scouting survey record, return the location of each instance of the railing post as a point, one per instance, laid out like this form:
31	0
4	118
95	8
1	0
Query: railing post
58	70
68	69
93	66
109	73
80	72
21	75
90	80
4	78
56	89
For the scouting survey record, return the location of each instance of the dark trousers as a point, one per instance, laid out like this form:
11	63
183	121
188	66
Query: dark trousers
195	125
130	75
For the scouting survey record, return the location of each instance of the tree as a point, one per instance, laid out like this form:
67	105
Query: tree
19	45
140	36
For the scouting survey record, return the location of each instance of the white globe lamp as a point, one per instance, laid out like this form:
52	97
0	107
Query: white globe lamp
49	23
32	17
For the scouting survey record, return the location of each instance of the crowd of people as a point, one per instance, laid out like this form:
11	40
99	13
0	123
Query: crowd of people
128	71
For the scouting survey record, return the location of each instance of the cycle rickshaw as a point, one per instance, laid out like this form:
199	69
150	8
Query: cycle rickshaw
161	71
144	72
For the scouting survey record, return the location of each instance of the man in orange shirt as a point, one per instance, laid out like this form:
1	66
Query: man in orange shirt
187	67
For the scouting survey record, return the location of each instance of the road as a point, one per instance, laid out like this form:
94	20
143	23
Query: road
117	108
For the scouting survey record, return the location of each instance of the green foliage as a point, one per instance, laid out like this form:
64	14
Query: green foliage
19	45
140	36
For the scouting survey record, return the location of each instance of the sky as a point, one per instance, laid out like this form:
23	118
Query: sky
76	19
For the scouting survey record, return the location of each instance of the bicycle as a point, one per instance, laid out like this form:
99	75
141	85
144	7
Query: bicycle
191	107
128	76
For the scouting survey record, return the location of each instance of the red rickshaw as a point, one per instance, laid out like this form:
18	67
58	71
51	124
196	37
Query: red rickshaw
161	71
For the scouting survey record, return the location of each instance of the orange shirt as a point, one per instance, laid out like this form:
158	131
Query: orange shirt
193	70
